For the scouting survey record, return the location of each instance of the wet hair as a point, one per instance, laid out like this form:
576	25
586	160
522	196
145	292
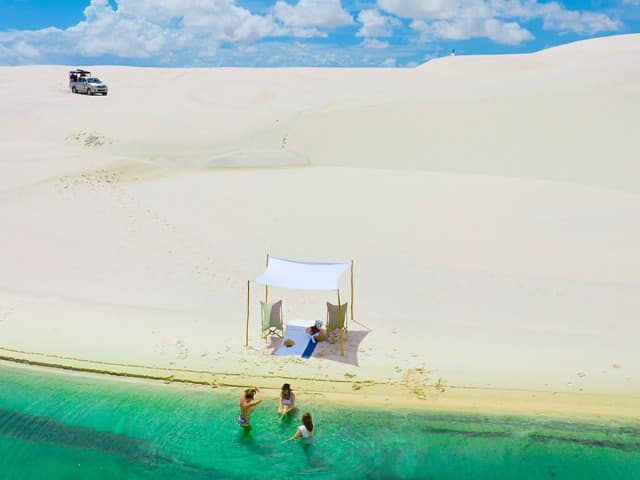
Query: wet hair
307	422
249	393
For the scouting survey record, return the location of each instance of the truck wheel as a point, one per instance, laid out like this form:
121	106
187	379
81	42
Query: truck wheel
73	90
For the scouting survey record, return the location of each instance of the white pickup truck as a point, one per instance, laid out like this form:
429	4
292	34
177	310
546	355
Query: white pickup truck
81	81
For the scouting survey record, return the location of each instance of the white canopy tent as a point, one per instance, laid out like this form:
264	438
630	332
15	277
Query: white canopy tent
299	275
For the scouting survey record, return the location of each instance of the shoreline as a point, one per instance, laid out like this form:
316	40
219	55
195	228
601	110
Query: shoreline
377	395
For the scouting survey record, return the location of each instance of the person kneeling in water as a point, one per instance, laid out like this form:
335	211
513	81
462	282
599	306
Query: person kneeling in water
305	430
287	400
247	402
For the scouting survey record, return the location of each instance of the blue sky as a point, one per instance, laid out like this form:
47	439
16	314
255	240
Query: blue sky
294	32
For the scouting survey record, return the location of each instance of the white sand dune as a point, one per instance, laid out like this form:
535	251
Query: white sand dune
258	159
491	204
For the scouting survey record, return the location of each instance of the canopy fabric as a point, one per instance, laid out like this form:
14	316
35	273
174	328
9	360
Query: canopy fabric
296	274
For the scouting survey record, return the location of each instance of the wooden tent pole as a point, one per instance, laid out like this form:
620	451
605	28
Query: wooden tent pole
341	330
266	287
351	290
246	334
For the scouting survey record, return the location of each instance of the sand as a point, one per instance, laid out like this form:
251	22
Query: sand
490	204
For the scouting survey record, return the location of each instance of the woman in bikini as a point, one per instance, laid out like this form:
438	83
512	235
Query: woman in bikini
287	400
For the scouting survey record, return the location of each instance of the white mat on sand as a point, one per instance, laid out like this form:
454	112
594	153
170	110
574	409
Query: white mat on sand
301	338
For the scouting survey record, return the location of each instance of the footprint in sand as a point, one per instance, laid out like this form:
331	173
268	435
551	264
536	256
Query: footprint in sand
441	385
415	380
183	352
581	374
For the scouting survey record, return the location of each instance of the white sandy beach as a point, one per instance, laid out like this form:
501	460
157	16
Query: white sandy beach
491	205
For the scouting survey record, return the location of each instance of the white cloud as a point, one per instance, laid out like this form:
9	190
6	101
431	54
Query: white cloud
221	19
556	17
376	25
18	52
509	33
311	14
374	43
182	31
107	32
494	19
192	33
209	32
437	9
24	50
300	53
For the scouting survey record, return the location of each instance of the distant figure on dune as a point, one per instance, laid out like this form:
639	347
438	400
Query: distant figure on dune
247	402
287	400
305	430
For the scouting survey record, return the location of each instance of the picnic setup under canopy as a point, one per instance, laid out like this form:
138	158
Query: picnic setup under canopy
301	275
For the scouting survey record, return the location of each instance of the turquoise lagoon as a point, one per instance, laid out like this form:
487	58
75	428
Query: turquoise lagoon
68	426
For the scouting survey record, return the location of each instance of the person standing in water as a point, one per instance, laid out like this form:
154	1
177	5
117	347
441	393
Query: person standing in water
287	400
305	430
247	402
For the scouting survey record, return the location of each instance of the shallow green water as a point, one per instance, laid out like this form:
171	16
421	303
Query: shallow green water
55	426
